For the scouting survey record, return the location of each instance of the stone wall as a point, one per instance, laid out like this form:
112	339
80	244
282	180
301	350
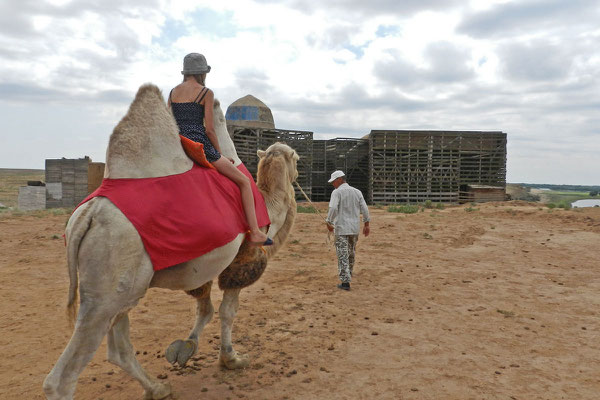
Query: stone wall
31	198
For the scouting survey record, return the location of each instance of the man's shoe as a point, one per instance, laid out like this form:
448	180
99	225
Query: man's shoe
344	286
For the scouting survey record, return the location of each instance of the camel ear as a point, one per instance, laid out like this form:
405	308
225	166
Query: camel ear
292	155
261	153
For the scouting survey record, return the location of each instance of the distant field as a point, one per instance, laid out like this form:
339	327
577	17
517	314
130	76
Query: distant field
11	179
560	196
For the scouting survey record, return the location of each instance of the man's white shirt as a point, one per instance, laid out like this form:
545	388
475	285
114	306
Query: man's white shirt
345	206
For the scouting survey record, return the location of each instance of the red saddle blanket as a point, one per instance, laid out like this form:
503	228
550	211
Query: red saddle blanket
181	217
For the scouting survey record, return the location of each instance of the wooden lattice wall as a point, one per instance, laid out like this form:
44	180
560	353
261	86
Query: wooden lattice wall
320	173
248	140
395	166
414	166
346	154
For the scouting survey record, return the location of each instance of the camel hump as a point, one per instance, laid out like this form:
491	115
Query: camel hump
145	143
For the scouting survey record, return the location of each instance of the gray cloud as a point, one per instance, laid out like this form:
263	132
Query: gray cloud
337	36
80	68
253	81
535	61
524	16
447	65
16	16
29	93
24	92
397	71
354	97
338	113
367	8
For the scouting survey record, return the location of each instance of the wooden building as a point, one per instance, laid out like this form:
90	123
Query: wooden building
388	166
482	194
414	166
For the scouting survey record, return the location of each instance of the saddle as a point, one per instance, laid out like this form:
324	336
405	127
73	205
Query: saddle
181	217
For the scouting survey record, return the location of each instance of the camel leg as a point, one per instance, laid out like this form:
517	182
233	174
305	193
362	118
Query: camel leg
181	351
230	358
120	352
114	273
92	324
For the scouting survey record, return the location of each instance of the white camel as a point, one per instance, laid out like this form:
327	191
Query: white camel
107	260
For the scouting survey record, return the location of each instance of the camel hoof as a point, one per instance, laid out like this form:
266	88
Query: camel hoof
181	351
173	350
234	360
162	391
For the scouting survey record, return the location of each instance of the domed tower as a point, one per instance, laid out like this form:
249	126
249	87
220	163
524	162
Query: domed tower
249	112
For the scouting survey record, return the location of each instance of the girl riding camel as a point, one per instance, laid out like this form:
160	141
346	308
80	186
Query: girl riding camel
192	105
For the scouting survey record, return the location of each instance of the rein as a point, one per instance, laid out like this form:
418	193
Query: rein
316	209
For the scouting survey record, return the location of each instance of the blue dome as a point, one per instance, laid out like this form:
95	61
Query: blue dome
249	112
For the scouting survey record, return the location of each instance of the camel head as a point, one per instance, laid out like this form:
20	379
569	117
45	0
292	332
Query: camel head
278	159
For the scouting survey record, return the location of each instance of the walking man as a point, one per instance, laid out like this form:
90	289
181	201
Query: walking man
345	206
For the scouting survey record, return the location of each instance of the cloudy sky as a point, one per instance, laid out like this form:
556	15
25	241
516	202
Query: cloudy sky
339	68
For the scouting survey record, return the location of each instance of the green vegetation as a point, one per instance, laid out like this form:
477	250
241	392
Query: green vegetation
306	209
471	209
404	209
563	204
553	196
563	188
552	193
563	196
415	208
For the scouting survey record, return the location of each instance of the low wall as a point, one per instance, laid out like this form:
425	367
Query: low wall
31	198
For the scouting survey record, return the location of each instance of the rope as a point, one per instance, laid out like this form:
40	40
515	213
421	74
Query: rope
316	209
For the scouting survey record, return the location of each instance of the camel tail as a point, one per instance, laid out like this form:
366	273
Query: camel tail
76	230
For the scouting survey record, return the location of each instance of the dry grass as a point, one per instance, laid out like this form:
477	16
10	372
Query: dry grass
11	179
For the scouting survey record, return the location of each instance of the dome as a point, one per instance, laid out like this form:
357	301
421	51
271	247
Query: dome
249	112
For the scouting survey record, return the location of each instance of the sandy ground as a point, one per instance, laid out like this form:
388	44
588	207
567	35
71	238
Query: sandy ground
501	302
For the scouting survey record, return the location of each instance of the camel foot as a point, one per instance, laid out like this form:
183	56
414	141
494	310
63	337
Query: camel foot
234	360
181	351
161	391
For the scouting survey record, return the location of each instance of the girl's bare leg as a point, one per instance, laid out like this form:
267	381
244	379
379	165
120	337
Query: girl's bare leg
225	167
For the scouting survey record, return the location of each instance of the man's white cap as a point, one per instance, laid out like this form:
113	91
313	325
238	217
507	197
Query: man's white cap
335	175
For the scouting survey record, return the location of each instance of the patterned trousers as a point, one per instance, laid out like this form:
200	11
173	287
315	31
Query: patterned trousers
344	247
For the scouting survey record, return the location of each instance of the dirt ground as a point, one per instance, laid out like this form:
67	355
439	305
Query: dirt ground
498	302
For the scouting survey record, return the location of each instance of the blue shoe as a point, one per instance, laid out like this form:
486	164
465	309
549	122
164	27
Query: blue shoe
268	242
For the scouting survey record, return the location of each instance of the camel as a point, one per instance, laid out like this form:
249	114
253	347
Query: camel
107	260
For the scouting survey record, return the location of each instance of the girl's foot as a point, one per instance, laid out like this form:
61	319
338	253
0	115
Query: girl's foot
259	238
